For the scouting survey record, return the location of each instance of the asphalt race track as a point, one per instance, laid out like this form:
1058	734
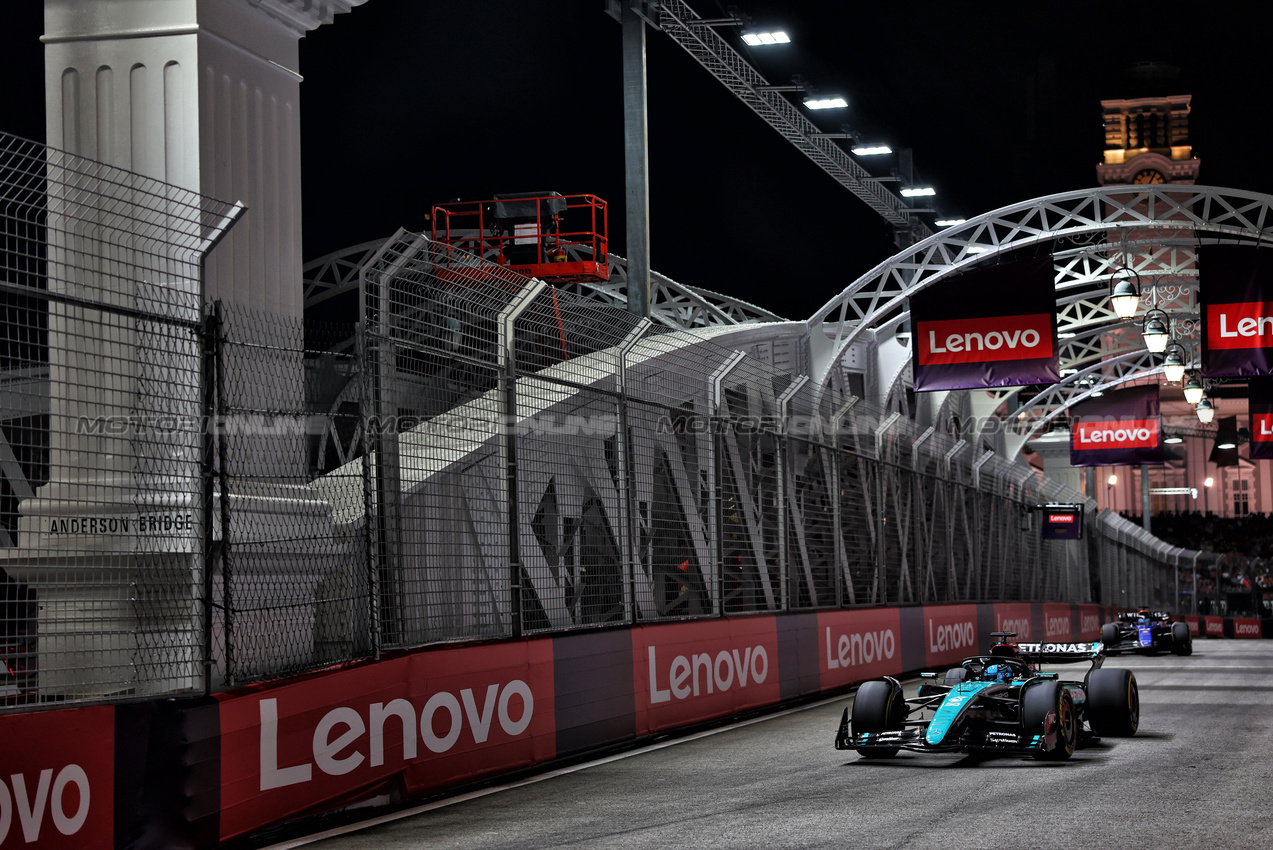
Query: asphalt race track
1198	774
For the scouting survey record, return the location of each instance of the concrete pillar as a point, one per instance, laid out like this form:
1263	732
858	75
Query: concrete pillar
204	96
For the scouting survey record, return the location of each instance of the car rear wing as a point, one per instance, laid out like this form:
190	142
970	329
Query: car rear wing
1062	653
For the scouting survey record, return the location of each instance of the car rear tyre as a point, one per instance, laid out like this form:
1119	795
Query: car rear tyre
1040	702
1109	635
1181	640
878	707
1113	702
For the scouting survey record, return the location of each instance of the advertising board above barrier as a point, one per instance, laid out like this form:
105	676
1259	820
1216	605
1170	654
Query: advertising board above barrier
1192	622
57	784
1213	626
427	721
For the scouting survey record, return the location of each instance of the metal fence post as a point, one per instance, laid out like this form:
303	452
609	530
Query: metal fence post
715	437
507	367
209	471
837	456
623	448
784	510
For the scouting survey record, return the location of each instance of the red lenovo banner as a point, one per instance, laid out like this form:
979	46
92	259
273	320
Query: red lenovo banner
1016	617
1058	622
696	671
690	672
428	721
57	783
1214	626
1119	428
1090	622
859	645
964	337
1237	310
1260	406
1246	627
950	634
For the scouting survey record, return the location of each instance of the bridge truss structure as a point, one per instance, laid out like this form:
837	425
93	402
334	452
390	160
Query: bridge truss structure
1092	235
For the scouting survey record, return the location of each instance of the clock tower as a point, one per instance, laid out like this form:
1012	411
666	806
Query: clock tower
1147	141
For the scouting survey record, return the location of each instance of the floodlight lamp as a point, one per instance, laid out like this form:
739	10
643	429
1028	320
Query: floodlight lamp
1173	365
1227	444
919	192
1155	331
1124	296
826	103
1112	480
758	38
1172	439
1208	482
1194	391
871	150
949	222
1205	410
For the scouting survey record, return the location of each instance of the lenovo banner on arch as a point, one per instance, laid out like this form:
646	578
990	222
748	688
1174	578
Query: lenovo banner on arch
1260	406
1236	300
1120	428
989	327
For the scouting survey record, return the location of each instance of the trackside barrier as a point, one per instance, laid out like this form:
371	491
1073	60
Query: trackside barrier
202	771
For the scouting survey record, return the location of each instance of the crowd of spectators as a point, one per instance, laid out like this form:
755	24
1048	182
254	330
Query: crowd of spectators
1237	578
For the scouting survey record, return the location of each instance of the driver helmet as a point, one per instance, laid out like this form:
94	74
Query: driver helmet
998	673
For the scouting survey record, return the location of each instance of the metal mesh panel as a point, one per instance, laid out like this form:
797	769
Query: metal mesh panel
293	588
435	413
103	505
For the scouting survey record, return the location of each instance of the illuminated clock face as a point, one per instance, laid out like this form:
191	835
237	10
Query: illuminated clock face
1148	175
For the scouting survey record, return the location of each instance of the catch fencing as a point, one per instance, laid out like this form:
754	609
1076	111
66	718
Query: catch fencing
494	457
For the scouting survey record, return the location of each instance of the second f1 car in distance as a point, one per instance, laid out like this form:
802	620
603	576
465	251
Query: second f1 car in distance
1147	631
996	703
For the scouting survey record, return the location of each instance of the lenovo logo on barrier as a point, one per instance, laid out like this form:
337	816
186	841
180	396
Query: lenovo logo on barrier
1246	628
64	797
859	649
981	339
1020	627
1120	434
345	737
952	636
1091	623
1242	325
703	673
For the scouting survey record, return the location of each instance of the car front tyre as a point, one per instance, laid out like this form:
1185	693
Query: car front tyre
1181	640
1040	702
1113	702
878	707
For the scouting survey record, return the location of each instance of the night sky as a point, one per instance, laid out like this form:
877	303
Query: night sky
411	102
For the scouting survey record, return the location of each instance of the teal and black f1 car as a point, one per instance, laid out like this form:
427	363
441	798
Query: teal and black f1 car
996	703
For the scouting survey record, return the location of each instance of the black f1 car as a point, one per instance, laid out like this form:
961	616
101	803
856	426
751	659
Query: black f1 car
998	703
1147	631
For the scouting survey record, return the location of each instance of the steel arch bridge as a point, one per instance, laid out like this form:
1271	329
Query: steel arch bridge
1091	234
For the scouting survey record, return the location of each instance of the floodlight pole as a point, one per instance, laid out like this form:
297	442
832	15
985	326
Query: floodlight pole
636	161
